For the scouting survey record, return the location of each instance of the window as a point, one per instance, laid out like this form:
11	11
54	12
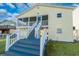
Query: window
45	17
32	18
25	19
59	15
59	30
20	19
45	20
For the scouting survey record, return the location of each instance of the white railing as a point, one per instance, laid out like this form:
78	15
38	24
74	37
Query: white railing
43	38
30	29
11	39
2	36
38	28
8	41
43	42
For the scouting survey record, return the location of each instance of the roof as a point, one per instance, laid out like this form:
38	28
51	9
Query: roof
7	27
46	5
10	22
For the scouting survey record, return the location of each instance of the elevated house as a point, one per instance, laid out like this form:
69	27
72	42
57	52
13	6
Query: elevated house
54	22
58	20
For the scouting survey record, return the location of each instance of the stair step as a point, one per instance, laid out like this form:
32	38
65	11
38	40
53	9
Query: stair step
26	42
13	53
33	40
37	40
24	51
9	53
27	46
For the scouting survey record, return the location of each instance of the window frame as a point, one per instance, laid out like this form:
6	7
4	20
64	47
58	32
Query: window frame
59	15
59	30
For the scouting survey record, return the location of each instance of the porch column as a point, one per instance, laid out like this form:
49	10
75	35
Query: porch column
16	22
17	29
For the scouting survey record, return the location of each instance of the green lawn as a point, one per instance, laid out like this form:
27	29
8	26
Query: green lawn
2	46
54	48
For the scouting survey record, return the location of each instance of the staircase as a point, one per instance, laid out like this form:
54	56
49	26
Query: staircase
25	47
30	45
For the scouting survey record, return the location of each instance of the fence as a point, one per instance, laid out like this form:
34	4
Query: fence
2	36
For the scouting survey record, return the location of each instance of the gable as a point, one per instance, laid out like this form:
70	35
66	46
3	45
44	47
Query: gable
35	10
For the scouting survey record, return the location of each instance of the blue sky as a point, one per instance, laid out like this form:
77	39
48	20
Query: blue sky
14	9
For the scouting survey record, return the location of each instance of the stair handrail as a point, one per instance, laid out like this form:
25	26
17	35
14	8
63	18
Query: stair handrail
30	29
13	33
38	28
39	25
43	38
43	42
9	43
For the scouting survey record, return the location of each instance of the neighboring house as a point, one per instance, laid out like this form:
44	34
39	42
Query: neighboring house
8	26
58	20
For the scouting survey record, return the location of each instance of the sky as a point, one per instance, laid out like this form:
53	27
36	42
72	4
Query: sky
8	10
12	9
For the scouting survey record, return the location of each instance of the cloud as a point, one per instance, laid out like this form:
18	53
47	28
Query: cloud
9	14
2	11
10	5
15	14
32	4
75	4
21	5
12	14
1	4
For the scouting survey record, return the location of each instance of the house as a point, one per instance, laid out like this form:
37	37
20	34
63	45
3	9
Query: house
8	26
58	20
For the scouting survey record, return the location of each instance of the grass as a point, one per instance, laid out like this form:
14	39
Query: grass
54	48
2	46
